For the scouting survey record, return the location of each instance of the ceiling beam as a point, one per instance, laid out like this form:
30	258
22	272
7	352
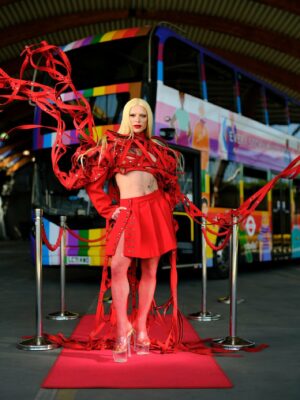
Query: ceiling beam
29	30
264	37
40	27
6	2
291	6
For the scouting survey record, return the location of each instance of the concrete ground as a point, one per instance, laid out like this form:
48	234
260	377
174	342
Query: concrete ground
270	314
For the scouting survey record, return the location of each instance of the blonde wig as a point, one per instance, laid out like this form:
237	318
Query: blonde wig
125	127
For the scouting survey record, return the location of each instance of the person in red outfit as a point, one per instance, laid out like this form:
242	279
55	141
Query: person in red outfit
143	174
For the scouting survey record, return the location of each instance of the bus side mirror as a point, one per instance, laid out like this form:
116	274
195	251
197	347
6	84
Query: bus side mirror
167	133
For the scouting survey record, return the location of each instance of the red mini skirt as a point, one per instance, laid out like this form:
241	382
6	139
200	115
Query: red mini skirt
148	227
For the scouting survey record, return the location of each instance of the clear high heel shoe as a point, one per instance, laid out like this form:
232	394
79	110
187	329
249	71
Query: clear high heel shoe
141	343
122	349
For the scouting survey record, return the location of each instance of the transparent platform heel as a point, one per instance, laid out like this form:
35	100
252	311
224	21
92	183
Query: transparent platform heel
122	349
141	343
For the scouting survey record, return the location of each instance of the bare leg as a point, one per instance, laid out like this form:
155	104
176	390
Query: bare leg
120	287
146	291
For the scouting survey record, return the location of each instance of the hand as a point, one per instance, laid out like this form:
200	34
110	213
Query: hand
117	212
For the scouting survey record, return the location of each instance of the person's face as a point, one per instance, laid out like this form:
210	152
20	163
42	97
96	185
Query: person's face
138	119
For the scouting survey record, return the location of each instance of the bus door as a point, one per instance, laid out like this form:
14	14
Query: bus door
281	218
188	235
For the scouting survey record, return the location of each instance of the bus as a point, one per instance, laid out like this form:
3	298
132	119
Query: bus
235	132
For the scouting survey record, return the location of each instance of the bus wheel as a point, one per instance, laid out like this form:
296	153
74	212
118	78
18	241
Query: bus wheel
220	269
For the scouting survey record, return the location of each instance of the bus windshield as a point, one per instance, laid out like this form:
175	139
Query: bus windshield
96	70
109	62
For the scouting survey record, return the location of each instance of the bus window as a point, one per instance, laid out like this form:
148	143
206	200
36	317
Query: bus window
220	81
277	111
251	98
55	200
296	184
255	179
111	62
294	117
185	181
224	184
182	67
189	181
108	109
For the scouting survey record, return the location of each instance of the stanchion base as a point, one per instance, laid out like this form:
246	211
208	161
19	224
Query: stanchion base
62	316
204	316
232	343
226	300
37	343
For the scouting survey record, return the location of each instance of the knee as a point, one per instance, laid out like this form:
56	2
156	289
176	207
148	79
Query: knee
118	269
149	272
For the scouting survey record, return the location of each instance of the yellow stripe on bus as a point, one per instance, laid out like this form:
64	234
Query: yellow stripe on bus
191	222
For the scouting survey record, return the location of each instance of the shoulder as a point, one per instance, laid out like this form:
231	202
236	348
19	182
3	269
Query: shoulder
169	157
163	146
159	143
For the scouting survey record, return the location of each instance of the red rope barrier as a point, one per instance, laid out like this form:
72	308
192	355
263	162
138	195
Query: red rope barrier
224	221
47	243
221	245
290	172
219	234
81	239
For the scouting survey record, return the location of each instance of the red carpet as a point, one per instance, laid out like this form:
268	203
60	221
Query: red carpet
96	369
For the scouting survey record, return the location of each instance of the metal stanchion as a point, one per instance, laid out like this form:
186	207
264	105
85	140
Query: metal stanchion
38	342
63	314
226	299
204	315
233	342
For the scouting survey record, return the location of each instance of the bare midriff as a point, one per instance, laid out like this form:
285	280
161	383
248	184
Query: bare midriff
135	184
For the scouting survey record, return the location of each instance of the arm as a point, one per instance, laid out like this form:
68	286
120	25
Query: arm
100	200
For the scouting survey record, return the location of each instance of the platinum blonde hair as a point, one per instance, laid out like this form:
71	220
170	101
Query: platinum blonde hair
126	128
